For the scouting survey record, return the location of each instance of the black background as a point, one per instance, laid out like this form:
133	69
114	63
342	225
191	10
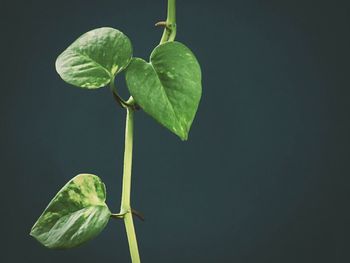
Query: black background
264	174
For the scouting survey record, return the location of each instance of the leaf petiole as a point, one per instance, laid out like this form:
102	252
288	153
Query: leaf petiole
122	103
138	214
118	215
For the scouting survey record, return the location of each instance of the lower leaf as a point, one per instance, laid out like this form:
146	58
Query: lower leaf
75	215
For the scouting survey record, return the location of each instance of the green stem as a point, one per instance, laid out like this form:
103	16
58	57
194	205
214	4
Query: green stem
130	230
125	203
170	24
125	207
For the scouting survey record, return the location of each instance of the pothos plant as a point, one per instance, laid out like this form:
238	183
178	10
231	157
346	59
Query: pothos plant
168	88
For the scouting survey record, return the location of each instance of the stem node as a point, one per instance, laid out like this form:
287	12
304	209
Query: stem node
170	23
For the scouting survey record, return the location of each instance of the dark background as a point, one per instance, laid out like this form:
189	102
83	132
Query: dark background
264	174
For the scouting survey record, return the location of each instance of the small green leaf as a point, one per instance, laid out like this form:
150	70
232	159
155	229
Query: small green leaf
94	58
75	215
169	87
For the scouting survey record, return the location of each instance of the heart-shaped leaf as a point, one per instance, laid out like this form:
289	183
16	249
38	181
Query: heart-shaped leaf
169	87
94	58
75	215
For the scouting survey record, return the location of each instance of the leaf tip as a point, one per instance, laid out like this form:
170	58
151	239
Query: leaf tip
183	137
31	233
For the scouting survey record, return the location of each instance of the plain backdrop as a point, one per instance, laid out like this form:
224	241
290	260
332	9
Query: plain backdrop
264	176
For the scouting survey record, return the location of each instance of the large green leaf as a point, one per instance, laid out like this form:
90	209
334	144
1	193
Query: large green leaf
169	87
75	215
94	58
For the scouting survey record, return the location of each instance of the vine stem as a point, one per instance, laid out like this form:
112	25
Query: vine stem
170	23
126	188
126	211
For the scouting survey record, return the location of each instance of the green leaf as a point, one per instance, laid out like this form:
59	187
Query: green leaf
95	58
169	87
75	215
